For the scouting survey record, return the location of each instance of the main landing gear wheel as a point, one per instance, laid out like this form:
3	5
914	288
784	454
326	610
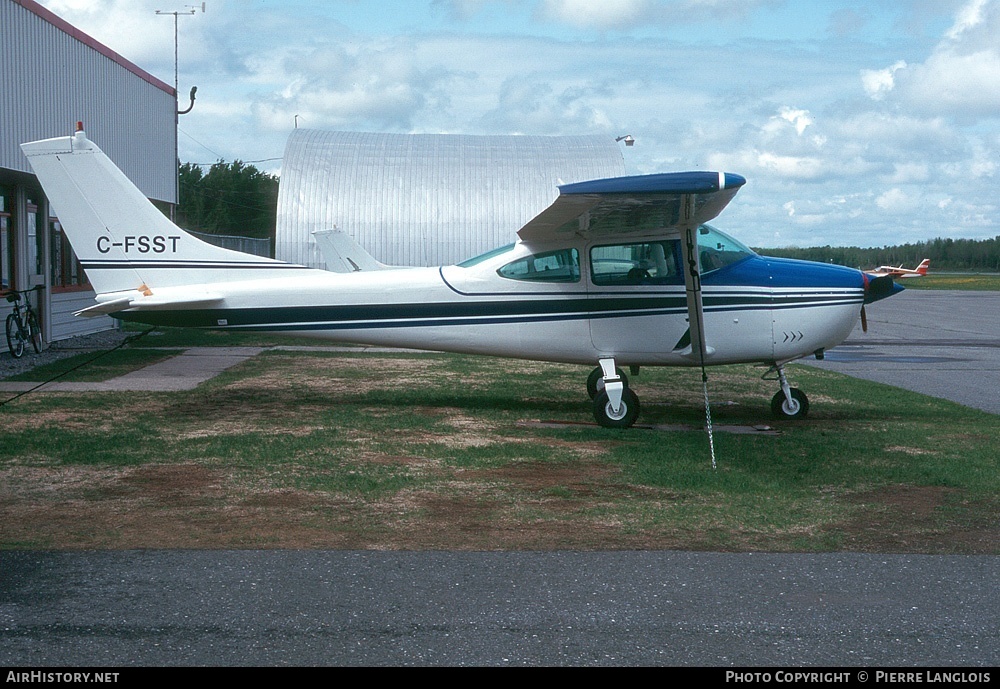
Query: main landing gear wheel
798	408
628	410
595	381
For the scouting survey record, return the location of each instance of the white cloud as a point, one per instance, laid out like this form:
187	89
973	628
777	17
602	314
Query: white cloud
878	82
905	173
791	167
606	14
956	84
896	200
800	119
960	76
969	16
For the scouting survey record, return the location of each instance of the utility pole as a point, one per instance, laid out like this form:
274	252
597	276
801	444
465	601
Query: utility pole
191	9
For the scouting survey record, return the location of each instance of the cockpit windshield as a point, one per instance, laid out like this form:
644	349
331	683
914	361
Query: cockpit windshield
717	249
476	260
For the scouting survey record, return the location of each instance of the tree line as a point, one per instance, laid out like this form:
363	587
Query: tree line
230	199
972	255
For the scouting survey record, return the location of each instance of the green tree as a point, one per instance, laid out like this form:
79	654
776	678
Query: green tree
230	199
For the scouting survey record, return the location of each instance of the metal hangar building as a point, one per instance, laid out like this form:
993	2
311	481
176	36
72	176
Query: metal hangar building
425	199
51	76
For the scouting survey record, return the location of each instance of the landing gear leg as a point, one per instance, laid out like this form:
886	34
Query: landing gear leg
789	402
616	406
595	381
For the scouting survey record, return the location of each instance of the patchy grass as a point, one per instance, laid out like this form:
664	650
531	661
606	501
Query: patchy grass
959	281
316	450
92	367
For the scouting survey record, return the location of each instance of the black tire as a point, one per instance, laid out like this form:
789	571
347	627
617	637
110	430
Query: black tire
595	381
34	333
798	410
14	341
627	413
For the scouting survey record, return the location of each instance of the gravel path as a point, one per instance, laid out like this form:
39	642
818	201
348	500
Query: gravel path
9	366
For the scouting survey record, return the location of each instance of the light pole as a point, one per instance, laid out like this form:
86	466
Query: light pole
191	9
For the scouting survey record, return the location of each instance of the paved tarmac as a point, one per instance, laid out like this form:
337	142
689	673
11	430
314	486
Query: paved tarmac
273	608
942	343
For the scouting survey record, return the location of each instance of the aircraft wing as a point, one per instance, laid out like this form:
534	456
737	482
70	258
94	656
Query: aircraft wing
630	204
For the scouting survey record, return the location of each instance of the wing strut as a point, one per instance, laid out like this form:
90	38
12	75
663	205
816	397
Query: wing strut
699	349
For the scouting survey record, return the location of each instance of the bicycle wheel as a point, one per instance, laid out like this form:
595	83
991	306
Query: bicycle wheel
14	341
34	333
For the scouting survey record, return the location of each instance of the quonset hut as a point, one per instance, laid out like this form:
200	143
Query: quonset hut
425	199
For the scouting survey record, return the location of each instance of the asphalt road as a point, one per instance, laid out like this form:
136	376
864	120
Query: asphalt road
941	343
273	608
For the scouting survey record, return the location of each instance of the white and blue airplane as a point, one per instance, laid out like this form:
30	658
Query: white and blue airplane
616	272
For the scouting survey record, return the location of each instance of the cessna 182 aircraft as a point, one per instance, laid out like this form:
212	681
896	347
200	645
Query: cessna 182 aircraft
616	272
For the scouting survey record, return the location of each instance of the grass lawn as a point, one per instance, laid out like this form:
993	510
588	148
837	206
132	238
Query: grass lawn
960	281
321	450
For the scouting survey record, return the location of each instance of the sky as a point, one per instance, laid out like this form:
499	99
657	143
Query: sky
855	122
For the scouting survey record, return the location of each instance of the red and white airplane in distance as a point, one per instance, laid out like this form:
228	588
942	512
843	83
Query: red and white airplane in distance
902	272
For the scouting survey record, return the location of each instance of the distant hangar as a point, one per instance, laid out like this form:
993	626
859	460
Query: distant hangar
425	199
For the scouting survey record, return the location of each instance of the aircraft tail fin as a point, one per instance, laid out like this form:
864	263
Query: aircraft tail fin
924	265
343	254
123	242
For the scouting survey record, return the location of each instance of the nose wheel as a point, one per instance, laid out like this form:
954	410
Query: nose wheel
788	403
796	408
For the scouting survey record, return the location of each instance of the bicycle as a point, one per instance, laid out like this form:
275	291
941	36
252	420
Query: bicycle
22	324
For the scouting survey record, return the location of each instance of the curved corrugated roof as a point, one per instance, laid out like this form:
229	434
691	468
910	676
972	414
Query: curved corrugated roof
425	199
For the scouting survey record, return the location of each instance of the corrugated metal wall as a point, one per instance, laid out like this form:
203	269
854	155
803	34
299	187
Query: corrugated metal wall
50	79
425	199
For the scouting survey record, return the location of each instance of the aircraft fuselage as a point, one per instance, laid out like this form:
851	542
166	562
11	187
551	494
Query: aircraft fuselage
757	309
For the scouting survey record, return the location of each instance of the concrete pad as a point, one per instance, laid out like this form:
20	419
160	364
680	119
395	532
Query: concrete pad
185	371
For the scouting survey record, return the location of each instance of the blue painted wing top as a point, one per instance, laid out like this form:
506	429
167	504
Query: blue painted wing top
620	205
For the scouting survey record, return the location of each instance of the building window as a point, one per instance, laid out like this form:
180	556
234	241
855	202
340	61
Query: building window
67	275
6	239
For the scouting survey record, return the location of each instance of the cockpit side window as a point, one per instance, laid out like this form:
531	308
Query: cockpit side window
552	266
646	263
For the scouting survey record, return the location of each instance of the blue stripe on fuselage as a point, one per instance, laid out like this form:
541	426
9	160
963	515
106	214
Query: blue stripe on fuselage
471	312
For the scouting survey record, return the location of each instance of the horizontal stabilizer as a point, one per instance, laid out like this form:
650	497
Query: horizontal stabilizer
150	303
104	308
